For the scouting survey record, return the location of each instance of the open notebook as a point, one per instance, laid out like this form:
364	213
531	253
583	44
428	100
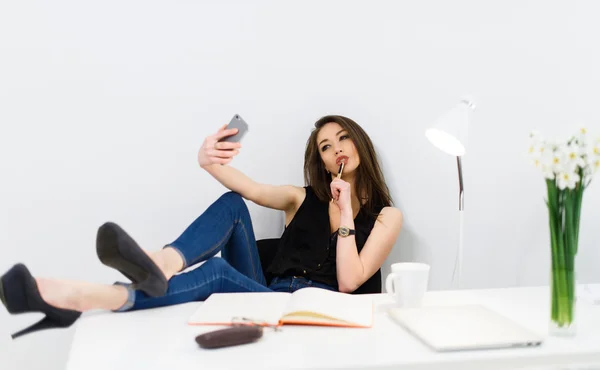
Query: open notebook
308	306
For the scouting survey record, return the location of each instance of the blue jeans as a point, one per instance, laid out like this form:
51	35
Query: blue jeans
224	227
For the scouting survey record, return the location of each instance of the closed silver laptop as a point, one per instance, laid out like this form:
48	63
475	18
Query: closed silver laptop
463	327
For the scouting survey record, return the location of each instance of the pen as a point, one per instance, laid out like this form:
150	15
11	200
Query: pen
341	169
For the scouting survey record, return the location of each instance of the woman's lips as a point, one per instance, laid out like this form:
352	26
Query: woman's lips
341	159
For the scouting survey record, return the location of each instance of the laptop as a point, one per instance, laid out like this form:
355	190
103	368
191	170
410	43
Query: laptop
463	327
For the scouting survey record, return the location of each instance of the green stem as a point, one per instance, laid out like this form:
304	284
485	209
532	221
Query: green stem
563	208
577	207
553	213
569	240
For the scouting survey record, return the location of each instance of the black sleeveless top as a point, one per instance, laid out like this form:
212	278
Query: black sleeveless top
307	247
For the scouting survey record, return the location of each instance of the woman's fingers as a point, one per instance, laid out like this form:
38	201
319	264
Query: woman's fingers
224	133
223	153
334	191
222	160
225	145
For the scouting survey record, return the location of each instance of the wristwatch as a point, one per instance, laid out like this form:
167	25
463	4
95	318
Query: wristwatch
344	231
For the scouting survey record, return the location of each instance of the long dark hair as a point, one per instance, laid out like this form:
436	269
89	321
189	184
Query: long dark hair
369	180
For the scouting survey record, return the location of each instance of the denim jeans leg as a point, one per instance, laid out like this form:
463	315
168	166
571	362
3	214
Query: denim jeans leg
225	226
214	276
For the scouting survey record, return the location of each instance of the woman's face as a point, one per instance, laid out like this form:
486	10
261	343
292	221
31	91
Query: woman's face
336	146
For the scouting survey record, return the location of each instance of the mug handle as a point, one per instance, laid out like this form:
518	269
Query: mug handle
389	283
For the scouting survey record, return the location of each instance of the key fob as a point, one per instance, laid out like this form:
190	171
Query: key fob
233	336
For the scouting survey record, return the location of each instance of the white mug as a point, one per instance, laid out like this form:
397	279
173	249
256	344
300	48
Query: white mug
407	283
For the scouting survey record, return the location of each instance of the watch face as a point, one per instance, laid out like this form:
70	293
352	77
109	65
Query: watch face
344	231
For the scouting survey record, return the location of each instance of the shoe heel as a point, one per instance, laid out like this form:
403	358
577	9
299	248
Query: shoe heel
116	249
19	293
45	323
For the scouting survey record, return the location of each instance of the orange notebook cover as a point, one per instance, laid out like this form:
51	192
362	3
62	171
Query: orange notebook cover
308	306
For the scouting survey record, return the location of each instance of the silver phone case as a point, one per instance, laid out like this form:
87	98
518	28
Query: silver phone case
236	122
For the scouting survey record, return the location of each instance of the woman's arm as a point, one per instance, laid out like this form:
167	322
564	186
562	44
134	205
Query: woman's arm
353	269
214	157
281	197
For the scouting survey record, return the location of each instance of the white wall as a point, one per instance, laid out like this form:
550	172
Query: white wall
103	107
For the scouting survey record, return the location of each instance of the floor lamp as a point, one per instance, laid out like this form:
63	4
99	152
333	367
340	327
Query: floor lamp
449	134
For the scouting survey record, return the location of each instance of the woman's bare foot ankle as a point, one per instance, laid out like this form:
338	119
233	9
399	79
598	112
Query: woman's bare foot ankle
59	293
169	261
81	296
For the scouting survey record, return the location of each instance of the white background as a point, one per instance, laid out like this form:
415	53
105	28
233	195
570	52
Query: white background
103	106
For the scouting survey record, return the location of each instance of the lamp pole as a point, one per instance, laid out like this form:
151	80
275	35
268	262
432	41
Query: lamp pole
461	208
449	134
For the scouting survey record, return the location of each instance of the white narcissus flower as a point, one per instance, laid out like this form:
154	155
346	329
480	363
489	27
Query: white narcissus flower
533	149
536	153
537	146
547	172
567	180
558	161
566	161
592	153
541	155
594	150
543	166
574	156
595	165
582	137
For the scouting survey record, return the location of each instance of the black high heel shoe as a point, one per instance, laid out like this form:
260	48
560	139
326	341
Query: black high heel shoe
116	249
19	294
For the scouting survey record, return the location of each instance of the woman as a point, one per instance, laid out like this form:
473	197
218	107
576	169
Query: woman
339	230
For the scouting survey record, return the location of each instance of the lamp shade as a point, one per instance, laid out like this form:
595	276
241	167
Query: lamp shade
449	132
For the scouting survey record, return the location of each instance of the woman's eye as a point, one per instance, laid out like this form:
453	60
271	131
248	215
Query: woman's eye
343	137
324	148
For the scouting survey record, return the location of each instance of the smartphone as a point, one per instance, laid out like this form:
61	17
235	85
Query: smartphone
236	122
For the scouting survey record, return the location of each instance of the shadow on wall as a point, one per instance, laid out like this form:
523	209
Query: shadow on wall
267	223
408	247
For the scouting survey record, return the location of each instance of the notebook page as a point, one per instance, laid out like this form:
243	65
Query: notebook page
220	308
354	309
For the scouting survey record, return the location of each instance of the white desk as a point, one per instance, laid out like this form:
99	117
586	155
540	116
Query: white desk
160	339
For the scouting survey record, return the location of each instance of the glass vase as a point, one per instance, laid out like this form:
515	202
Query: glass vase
563	303
564	208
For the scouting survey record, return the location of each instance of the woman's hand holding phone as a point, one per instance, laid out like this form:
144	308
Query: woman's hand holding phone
214	151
